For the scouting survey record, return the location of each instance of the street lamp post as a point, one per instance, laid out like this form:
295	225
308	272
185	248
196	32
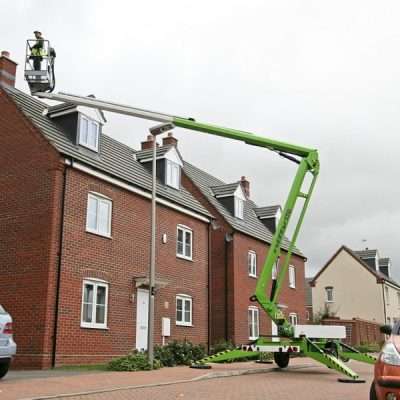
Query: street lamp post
152	272
157	130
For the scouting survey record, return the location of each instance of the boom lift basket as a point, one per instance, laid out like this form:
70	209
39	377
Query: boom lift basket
39	66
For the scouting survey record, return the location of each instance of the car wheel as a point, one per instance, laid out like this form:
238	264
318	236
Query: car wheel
281	359
372	392
4	366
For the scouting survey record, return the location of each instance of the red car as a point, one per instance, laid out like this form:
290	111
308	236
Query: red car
386	384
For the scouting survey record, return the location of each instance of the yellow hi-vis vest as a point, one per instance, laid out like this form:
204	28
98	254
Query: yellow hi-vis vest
38	52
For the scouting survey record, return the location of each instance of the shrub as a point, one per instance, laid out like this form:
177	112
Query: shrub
179	353
135	361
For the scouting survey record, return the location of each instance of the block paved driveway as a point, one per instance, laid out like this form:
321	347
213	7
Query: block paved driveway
304	379
297	383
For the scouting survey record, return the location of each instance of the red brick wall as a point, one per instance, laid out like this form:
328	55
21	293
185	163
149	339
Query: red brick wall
358	331
244	287
221	253
30	195
118	261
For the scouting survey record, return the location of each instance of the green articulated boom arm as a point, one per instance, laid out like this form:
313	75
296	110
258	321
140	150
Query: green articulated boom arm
308	163
307	160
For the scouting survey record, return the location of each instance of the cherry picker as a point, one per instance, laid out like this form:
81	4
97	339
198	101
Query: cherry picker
321	343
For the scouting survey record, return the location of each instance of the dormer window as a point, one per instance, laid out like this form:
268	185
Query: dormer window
89	133
269	216
81	125
169	164
232	197
239	208
173	174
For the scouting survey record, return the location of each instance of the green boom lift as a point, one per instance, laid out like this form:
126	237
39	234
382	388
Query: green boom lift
321	343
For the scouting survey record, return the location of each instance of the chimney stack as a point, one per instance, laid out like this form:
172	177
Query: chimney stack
170	140
148	144
245	184
8	70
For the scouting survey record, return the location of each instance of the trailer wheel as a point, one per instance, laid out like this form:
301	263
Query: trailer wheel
4	366
281	359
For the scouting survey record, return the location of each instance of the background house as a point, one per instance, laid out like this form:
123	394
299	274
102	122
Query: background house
357	284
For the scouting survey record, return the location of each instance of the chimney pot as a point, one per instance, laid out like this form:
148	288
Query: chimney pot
245	184
148	143
8	69
170	140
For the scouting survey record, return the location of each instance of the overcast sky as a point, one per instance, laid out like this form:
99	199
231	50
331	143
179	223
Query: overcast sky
323	74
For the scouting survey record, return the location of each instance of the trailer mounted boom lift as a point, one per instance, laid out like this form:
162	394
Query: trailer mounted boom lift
322	343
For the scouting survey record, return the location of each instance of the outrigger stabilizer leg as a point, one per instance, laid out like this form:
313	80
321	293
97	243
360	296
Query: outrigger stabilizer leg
328	348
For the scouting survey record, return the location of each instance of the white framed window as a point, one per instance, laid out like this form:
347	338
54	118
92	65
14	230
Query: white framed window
94	304
387	296
308	315
239	205
89	133
398	299
184	305
173	175
252	263
98	216
329	294
253	321
292	277
293	318
184	242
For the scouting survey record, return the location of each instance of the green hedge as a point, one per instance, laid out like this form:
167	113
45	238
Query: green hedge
171	355
135	361
179	353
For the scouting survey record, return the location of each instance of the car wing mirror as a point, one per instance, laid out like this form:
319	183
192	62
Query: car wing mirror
386	329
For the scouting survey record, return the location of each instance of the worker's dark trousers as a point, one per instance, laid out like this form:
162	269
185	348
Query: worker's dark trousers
37	63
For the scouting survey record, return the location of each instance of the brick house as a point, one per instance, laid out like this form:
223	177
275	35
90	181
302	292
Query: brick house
240	235
75	237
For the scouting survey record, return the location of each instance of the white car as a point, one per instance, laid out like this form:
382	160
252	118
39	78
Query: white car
8	348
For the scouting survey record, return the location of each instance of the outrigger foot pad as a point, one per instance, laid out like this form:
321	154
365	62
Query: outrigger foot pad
200	366
344	380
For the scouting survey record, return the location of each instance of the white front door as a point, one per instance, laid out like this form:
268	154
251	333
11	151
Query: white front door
142	315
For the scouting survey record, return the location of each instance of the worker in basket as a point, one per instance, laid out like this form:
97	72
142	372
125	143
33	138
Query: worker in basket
38	51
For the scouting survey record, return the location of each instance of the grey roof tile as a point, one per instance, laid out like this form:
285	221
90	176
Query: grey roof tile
249	225
367	253
115	158
266	212
224	190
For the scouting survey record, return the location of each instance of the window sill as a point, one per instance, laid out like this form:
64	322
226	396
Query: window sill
184	258
98	234
184	324
329	301
103	328
292	287
253	337
253	276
